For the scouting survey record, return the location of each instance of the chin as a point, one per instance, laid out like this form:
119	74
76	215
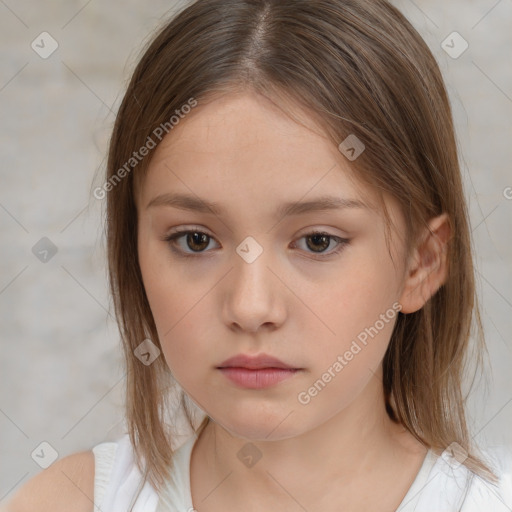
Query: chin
259	427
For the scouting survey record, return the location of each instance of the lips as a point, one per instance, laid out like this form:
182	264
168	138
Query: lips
255	362
257	379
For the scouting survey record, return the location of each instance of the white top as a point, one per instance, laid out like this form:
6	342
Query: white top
442	483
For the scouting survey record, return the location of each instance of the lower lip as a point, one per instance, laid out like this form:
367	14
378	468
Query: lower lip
257	379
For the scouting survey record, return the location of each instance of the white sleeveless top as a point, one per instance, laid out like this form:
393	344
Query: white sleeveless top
441	485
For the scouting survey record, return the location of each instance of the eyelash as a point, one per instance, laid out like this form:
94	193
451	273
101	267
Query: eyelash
172	237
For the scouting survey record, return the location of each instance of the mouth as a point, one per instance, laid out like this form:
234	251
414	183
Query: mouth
259	378
259	362
257	371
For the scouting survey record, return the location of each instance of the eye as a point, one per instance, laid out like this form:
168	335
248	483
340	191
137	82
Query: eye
318	241
195	239
198	241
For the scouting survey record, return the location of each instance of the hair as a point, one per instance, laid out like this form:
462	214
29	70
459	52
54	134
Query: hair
357	67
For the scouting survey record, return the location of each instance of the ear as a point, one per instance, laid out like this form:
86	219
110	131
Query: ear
428	265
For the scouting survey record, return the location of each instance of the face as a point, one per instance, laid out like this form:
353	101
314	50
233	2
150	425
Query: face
241	277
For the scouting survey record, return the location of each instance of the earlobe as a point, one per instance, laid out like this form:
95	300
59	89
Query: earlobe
428	265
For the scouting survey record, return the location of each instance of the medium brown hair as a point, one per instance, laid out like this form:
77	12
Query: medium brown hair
358	67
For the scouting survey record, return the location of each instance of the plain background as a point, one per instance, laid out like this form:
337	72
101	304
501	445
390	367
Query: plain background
61	365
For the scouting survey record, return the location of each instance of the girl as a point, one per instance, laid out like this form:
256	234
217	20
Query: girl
289	251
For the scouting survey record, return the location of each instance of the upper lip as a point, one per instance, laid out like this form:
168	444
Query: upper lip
254	362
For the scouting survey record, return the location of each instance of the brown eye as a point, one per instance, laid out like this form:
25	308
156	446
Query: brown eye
319	241
195	242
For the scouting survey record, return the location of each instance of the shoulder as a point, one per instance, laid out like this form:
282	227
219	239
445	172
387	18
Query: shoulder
500	458
67	486
476	492
499	495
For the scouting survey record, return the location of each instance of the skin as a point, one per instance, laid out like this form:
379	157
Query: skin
246	155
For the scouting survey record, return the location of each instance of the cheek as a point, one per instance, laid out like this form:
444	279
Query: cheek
357	294
177	314
356	315
179	307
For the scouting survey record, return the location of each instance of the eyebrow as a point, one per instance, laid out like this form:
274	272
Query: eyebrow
196	204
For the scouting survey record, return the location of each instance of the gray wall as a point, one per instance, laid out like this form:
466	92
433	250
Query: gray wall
61	366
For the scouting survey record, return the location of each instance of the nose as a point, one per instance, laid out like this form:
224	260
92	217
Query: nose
254	296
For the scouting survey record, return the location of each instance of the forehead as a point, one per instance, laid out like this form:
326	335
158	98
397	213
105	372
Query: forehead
245	144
